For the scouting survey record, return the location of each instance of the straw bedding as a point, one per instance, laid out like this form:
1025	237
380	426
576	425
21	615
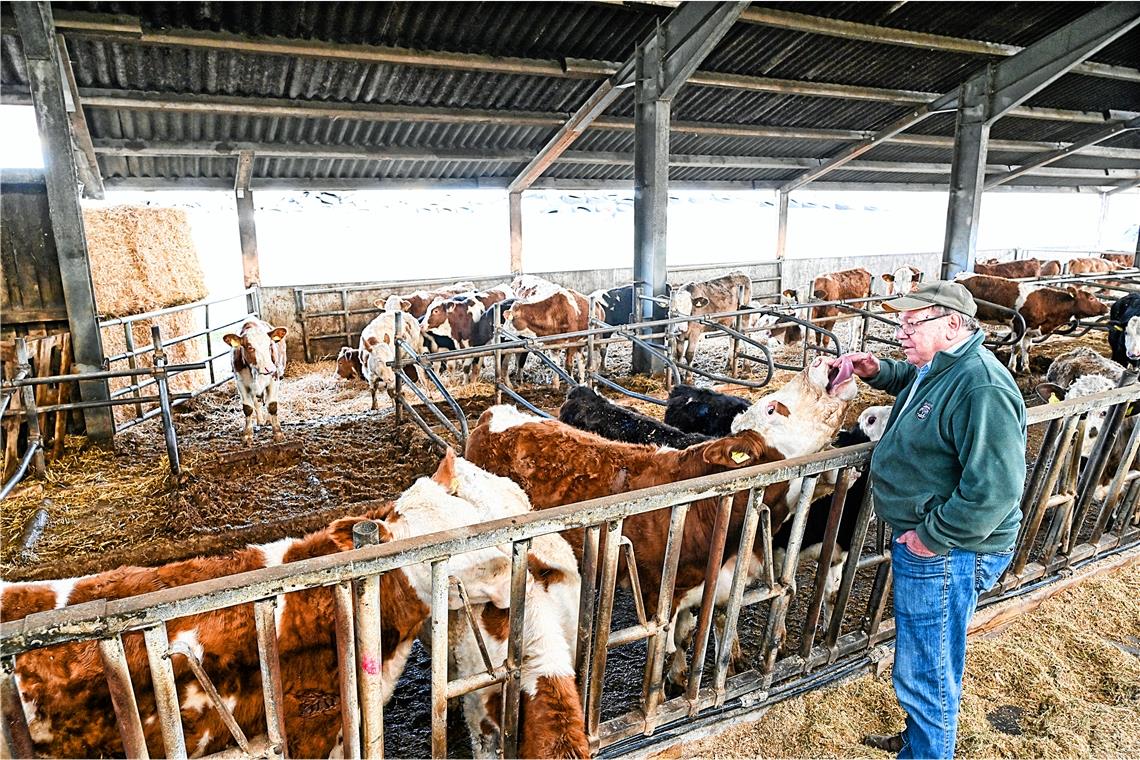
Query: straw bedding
142	259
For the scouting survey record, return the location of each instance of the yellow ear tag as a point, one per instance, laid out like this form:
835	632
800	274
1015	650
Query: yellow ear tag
1053	399
739	457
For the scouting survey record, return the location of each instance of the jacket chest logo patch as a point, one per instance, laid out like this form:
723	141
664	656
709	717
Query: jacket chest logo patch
924	410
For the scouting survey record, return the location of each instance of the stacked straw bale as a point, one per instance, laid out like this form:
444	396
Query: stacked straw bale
143	259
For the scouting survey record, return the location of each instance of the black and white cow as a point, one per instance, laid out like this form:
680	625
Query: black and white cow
587	410
1124	330
698	410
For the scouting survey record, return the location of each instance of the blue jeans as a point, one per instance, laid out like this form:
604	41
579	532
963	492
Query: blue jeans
934	599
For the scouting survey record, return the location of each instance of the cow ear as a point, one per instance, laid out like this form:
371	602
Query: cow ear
405	304
888	277
445	473
700	302
341	532
741	450
231	340
1051	392
278	334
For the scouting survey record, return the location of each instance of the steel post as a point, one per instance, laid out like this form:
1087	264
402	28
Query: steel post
165	690
347	669
369	656
515	654
264	616
118	675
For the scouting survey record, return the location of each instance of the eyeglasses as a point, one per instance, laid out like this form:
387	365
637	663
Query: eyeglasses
908	328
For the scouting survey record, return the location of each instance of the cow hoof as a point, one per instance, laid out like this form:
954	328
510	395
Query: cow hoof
278	437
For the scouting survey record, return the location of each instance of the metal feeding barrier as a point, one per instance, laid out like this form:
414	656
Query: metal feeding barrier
1073	513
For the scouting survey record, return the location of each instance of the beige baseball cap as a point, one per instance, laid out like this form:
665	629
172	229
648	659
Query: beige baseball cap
952	295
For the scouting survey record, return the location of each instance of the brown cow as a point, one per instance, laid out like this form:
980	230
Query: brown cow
1091	266
65	694
729	292
837	286
557	464
1009	269
1122	260
1043	309
559	312
1050	268
258	360
417	303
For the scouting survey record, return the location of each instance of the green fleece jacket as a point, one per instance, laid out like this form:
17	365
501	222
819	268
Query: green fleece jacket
951	465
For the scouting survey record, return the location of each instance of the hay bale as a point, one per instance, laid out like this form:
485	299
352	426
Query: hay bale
171	326
142	259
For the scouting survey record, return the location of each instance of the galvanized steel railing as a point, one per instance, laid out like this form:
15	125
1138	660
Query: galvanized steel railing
1057	483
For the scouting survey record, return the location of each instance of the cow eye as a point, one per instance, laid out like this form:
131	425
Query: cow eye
870	420
771	409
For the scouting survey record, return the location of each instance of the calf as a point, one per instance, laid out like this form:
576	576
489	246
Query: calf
1122	260
1091	266
1077	373
903	280
551	720
349	363
587	410
417	303
378	349
495	295
1008	269
561	312
65	696
698	410
258	361
838	286
1043	309
729	292
1050	268
529	287
1124	330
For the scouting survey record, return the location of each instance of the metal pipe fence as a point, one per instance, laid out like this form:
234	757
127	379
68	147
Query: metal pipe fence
1070	518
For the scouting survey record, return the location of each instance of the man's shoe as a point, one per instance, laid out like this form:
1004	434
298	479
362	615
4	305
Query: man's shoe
892	743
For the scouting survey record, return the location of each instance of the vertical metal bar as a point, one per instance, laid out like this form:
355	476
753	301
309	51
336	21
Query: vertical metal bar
398	394
209	345
28	398
496	339
515	654
132	362
877	603
247	235
611	543
439	654
14	722
653	689
118	675
781	224
590	344
265	618
346	668
745	555
967	173
588	570
704	622
304	325
1117	486
1031	522
344	316
854	553
514	210
823	569
165	690
370	671
164	402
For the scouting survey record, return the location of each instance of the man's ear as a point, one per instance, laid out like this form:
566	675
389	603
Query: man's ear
445	474
341	532
1051	392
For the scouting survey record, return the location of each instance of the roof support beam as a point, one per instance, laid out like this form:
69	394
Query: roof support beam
41	52
850	30
1130	184
1035	162
662	64
996	91
85	160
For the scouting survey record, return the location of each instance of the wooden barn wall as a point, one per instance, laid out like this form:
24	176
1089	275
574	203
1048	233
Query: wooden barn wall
31	296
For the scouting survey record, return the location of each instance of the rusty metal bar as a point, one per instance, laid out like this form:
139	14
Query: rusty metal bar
611	544
132	362
745	556
515	654
265	619
28	399
369	656
164	402
588	571
717	541
653	688
211	691
165	690
17	736
475	629
439	657
823	569
1061	444
347	670
114	660
851	567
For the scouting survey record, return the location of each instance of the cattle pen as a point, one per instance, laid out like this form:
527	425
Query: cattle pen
683	208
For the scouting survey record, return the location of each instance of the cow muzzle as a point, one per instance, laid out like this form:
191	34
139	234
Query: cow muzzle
840	373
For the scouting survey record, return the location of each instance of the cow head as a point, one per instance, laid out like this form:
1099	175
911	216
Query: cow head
873	421
682	302
1086	304
1085	385
789	297
255	343
348	363
803	416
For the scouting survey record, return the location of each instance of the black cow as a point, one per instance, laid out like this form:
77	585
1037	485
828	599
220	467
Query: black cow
1124	330
697	410
617	303
586	410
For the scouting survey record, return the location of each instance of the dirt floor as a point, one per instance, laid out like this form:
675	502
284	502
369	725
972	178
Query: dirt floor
1062	681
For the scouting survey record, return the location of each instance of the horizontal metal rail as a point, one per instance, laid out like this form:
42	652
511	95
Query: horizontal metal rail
174	309
181	339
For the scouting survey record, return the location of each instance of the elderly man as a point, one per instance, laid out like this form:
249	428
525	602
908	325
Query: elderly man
948	476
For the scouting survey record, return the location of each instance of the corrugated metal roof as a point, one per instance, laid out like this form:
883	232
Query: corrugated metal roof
553	35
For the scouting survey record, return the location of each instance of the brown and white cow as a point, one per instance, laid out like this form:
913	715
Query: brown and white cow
729	292
1044	309
556	464
1122	260
495	295
1091	266
529	287
903	280
258	360
378	348
418	302
65	695
349	364
562	311
551	719
845	285
1009	269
